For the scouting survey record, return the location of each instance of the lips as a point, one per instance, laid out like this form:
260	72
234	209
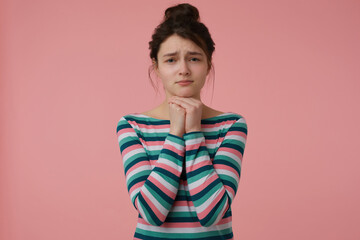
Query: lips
184	81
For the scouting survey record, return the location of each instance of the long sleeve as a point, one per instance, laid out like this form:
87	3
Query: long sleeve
152	190
213	184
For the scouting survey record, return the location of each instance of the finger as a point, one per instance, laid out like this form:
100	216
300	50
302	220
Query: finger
176	106
189	100
183	104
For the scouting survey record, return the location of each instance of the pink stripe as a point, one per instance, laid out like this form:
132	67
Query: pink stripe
198	165
136	186
230	189
203	185
162	187
174	149
185	224
226	167
132	148
208	208
180	203
236	133
168	168
196	145
153	207
137	165
211	141
125	130
231	150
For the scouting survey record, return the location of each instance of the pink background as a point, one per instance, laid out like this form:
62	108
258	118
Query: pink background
71	69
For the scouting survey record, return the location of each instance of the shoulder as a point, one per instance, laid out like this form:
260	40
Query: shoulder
211	113
232	120
131	117
127	120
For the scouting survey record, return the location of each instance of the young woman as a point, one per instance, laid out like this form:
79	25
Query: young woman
182	159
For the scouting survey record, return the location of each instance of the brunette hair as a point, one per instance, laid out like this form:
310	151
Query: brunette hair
183	20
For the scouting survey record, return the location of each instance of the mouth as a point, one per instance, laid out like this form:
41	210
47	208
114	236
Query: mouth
185	81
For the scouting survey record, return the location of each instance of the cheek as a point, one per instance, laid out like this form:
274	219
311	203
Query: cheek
166	71
200	69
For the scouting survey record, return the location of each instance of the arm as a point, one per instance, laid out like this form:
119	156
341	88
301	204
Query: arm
152	190
213	184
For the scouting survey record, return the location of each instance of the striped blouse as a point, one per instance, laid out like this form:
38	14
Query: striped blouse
182	187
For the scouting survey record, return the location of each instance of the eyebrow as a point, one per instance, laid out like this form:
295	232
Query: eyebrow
174	53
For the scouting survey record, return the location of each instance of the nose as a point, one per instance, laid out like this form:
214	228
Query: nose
184	68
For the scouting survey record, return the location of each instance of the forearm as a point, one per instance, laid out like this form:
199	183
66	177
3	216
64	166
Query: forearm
208	193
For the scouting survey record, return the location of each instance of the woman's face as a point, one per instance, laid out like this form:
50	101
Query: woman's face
181	59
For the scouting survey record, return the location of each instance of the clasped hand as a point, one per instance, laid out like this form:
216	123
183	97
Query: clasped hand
185	115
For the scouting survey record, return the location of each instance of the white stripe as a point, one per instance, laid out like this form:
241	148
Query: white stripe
236	137
128	155
208	202
194	141
161	146
230	155
125	135
137	170
230	194
227	173
221	214
197	160
183	209
134	193
241	120
165	183
221	127
153	147
211	145
174	144
160	207
170	164
183	230
141	211
151	130
201	181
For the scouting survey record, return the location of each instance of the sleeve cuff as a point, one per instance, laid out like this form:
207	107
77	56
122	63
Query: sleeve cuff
193	135
175	137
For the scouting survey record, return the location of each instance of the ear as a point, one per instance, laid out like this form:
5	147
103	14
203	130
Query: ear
155	65
208	70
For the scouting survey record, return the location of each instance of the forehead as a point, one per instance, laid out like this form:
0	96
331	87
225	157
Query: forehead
175	43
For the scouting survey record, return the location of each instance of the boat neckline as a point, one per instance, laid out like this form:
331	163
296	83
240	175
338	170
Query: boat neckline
225	113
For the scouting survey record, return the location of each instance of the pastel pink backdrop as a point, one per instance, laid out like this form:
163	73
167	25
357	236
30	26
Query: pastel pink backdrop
71	69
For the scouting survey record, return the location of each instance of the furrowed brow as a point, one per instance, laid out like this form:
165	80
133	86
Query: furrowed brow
195	53
170	54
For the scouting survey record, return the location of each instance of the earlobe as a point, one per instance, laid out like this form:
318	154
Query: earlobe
154	64
155	68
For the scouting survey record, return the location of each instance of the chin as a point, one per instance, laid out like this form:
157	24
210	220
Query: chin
186	93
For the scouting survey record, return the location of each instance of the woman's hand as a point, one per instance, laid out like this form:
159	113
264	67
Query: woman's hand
193	112
177	119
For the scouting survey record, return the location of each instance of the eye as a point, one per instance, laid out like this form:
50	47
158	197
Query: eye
170	60
195	59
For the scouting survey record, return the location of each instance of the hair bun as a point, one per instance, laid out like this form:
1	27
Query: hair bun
182	13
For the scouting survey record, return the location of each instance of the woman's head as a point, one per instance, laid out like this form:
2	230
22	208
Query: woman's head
181	27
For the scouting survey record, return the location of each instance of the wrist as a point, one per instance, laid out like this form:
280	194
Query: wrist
194	130
177	133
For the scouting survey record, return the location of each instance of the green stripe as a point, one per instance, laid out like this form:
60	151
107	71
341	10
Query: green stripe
185	235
